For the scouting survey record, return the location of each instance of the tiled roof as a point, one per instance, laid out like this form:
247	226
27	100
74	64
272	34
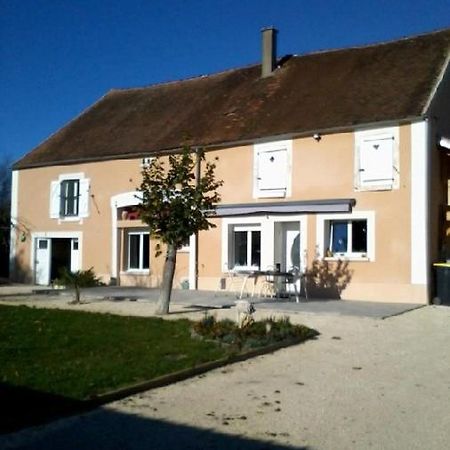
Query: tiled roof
320	91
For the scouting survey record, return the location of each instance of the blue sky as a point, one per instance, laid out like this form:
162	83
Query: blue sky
59	56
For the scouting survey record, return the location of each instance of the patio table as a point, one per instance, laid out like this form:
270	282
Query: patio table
285	278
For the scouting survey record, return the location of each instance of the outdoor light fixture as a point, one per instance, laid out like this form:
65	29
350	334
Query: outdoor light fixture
444	142
317	137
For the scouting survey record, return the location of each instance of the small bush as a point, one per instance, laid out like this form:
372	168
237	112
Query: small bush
78	279
257	334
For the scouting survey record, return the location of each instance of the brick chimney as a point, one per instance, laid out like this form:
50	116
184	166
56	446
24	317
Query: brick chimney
269	51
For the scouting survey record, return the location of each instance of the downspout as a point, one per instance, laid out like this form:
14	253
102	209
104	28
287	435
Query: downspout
198	154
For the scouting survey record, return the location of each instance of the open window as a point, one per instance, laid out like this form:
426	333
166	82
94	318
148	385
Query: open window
348	236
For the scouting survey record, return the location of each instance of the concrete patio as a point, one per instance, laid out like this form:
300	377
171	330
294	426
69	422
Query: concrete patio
204	300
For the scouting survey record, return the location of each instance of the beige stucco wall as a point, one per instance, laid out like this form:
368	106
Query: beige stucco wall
325	170
320	170
107	179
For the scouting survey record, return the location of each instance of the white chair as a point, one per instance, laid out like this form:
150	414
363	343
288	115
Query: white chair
233	283
296	280
268	287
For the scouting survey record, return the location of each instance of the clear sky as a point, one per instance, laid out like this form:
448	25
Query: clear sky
58	56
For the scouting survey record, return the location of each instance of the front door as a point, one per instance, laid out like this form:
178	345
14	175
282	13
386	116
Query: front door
292	246
288	247
42	261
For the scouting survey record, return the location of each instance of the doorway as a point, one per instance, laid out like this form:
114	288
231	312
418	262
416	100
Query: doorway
287	251
53	255
60	257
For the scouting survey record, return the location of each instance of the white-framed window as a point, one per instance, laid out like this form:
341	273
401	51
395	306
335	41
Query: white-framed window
138	251
377	163
348	236
69	197
272	168
145	162
244	246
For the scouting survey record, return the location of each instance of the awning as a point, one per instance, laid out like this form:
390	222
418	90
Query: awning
341	205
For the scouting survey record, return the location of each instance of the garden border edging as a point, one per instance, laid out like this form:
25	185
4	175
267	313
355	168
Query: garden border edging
181	375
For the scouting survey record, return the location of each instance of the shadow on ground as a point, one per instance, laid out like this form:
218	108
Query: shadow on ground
105	428
21	407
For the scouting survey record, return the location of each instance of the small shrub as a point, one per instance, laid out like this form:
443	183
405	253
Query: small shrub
256	334
78	279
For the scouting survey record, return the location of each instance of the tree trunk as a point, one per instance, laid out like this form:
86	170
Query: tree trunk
167	282
77	294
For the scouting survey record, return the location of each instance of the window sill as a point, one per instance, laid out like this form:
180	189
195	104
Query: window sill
384	187
244	268
70	219
347	258
273	193
138	272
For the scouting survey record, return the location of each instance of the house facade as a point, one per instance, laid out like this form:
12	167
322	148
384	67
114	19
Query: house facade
335	162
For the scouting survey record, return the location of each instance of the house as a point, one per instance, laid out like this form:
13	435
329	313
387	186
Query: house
335	161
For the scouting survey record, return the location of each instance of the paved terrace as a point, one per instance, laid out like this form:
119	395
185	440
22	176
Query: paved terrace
191	301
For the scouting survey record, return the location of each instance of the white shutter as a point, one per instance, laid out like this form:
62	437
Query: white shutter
83	205
377	162
55	188
272	170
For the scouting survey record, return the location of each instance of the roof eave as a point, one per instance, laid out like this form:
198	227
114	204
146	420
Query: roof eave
218	145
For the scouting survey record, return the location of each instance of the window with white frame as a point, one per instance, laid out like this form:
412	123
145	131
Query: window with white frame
69	197
347	235
272	169
377	159
138	250
244	246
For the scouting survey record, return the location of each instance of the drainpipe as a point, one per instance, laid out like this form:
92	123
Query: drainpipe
198	153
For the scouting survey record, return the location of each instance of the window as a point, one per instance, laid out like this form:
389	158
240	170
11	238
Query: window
346	235
70	192
245	246
69	197
272	169
376	159
138	250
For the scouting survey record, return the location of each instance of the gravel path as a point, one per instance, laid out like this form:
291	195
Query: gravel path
363	384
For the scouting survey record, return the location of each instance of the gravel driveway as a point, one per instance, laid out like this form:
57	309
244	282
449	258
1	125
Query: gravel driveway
363	384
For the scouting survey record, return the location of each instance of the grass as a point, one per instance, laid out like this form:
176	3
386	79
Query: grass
52	360
77	355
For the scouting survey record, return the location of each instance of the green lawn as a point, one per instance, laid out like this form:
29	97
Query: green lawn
75	354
